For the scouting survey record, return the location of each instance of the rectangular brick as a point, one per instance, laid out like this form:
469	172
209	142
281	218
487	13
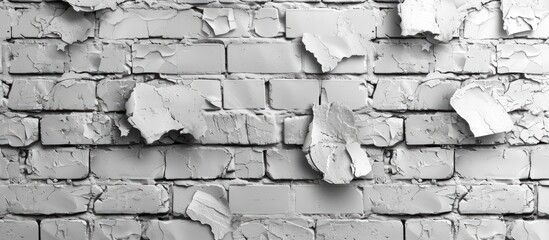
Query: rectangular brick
255	199
18	130
188	162
539	161
414	94
19	229
37	58
157	229
8	157
528	229
479	228
240	128
130	23
360	229
326	21
490	163
296	129
76	128
100	58
409	199
183	195
113	94
264	58
128	163
45	199
403	57
351	93
289	94
443	129
485	22
116	229
45	94
463	57
132	199
497	199
58	163
5	29
247	93
422	163
428	229
249	163
379	130
523	58
63	229
313	199
289	164
178	58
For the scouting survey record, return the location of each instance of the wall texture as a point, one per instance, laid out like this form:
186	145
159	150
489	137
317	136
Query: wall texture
72	167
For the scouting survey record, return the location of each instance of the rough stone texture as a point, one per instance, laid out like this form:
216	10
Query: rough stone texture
77	160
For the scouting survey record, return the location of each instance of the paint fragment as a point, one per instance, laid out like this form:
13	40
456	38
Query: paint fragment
157	111
212	211
523	15
481	110
332	147
330	50
220	20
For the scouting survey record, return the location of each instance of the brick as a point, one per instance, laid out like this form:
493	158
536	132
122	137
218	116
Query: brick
288	94
8	157
132	199
412	94
422	163
523	58
379	130
497	199
532	229
127	163
240	128
19	230
313	199
351	93
42	94
499	163
428	229
36	58
146	23
542	200
243	94
389	23
108	229
292	229
63	229
403	57
484	23
296	129
186	162
176	229
241	23
462	57
51	20
480	229
264	199
249	163
529	129
325	21
289	164
267	22
409	199
100	58
539	160
178	58
443	129
113	94
58	163
264	58
183	195
357	229
76	128
5	29
45	199
18	130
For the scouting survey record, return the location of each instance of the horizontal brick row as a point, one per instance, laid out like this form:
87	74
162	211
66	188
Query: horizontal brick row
463	228
280	57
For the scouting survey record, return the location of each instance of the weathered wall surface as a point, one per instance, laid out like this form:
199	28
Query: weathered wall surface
73	167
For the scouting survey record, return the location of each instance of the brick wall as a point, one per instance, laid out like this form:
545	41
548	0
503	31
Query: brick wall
71	169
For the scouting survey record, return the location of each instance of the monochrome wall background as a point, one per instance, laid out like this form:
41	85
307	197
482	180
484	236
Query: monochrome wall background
256	120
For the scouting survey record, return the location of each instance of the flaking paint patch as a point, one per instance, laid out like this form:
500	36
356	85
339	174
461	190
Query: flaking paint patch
332	146
211	211
220	20
523	15
482	112
173	108
330	50
93	5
